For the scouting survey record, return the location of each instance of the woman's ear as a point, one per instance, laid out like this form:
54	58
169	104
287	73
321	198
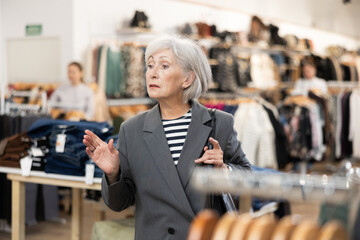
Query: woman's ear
189	80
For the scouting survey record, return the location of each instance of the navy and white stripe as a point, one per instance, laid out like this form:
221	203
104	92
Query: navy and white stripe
175	132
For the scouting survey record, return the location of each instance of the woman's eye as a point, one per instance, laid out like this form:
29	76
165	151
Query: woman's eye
150	66
165	66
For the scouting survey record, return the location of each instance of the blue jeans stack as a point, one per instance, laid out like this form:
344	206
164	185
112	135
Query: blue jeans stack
72	160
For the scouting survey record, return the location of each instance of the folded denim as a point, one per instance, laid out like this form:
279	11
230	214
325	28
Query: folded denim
63	164
50	168
71	145
67	159
43	127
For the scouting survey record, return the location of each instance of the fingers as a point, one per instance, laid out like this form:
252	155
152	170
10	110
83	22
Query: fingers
216	163
111	146
215	143
91	140
213	156
210	158
90	153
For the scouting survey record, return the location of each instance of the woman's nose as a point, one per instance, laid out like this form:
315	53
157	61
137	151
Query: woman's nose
154	73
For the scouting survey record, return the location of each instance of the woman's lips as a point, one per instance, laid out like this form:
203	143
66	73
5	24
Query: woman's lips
153	86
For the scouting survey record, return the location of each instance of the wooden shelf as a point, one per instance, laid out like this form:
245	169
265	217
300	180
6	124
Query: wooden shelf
273	50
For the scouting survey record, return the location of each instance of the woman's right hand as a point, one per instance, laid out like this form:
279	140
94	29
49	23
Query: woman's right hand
105	155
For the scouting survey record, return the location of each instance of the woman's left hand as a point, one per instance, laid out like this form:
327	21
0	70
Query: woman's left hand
213	156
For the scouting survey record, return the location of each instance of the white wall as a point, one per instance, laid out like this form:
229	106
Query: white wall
331	15
306	18
2	54
81	22
2	61
54	16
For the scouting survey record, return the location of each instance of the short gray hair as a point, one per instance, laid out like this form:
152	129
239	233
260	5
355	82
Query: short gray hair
190	58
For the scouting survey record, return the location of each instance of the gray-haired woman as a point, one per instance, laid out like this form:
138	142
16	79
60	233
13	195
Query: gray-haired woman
157	150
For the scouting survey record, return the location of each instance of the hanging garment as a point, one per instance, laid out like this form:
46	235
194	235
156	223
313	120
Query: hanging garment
354	130
256	134
134	65
114	73
226	71
262	71
346	145
281	142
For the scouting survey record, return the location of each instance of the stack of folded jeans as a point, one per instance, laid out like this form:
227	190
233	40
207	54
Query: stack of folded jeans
12	149
72	158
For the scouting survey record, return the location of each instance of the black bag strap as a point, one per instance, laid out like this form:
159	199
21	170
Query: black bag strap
225	203
212	125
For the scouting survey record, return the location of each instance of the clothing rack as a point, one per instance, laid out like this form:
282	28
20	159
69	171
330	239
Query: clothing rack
343	84
226	95
289	186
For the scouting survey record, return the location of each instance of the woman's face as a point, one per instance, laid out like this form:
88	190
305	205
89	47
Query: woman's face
164	77
74	74
309	72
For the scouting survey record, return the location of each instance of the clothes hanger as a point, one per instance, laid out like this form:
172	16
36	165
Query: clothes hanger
241	227
333	230
262	228
306	230
203	225
285	228
224	226
299	100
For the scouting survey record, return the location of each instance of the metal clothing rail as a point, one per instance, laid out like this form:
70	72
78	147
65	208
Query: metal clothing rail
291	186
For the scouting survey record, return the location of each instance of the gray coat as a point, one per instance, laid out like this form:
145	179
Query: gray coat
165	201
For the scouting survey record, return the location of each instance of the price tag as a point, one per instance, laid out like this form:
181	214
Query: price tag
36	152
25	164
89	173
60	143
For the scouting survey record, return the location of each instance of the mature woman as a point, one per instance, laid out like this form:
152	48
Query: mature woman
158	149
74	95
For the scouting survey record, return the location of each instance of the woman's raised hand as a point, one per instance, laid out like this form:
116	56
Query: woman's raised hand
105	155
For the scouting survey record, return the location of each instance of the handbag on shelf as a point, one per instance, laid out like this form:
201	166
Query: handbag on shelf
223	202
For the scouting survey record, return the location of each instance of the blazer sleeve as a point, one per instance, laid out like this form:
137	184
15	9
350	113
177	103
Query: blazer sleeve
233	154
121	194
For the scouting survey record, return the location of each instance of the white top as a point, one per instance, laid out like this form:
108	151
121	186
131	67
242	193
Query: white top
302	86
70	97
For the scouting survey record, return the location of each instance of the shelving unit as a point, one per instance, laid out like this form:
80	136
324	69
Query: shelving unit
271	50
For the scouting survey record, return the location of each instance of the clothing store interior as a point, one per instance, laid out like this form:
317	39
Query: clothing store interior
286	71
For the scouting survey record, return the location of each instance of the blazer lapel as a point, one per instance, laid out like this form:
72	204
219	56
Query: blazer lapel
196	138
155	139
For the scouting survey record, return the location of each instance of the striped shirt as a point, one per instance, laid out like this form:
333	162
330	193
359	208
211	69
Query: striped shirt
175	132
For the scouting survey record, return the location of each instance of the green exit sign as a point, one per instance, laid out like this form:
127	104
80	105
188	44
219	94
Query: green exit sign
33	30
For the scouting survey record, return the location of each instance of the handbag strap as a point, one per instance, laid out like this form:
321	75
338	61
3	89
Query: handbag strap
226	197
212	125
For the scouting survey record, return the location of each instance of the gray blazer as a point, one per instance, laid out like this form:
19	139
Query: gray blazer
164	200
